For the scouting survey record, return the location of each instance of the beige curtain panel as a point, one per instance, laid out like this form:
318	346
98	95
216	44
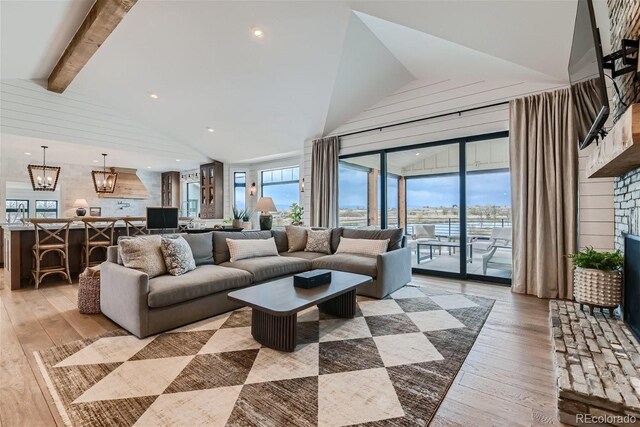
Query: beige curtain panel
543	139
586	97
324	182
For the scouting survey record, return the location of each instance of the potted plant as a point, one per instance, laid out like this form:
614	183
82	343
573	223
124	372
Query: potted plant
246	219
296	214
597	278
238	214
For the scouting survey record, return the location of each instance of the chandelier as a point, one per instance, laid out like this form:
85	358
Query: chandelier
104	181
43	177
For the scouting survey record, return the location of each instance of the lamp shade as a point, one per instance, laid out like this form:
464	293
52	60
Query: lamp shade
265	204
80	203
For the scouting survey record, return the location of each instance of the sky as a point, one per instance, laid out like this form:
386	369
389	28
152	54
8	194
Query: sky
482	189
442	190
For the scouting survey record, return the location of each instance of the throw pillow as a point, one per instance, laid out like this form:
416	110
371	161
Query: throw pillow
297	237
201	245
178	256
143	253
319	241
244	249
365	247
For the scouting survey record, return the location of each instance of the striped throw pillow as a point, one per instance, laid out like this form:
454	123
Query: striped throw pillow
251	248
366	247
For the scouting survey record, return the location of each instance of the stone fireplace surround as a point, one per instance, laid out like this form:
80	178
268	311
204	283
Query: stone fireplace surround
597	366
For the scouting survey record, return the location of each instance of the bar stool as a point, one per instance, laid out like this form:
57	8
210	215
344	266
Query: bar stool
51	236
183	223
134	226
98	233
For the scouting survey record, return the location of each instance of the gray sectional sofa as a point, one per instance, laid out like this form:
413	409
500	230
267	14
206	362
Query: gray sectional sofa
146	306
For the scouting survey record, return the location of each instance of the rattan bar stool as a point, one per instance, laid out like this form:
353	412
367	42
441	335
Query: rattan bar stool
52	236
136	225
98	233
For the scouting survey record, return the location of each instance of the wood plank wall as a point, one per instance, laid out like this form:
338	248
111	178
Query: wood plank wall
425	98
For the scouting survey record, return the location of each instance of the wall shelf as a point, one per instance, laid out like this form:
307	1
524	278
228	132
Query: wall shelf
619	152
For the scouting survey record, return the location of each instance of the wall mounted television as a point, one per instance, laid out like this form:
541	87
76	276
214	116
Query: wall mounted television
162	218
586	63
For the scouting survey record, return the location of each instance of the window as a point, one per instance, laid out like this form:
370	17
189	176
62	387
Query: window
283	186
359	191
193	199
239	190
46	208
11	209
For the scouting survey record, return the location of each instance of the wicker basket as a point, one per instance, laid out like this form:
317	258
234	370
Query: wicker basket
89	291
597	287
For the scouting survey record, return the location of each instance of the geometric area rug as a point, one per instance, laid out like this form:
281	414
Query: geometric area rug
390	365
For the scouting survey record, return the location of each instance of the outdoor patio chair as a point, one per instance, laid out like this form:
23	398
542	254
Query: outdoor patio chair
425	233
499	252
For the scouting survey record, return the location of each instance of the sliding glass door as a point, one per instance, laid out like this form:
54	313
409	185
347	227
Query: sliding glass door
451	197
431	199
488	211
360	191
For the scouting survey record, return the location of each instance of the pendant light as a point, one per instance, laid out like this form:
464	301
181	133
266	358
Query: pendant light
104	181
43	177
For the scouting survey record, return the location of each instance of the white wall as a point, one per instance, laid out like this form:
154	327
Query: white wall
75	183
253	175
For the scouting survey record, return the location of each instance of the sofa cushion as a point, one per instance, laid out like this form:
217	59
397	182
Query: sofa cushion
245	249
395	236
280	236
366	247
178	256
201	245
336	234
220	247
204	280
318	241
303	254
348	262
297	237
143	253
266	268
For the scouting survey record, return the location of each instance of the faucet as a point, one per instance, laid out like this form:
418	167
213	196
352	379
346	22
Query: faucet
22	211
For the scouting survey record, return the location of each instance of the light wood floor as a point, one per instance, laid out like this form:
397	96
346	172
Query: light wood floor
507	379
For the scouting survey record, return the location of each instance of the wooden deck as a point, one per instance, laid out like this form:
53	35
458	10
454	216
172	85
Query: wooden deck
507	379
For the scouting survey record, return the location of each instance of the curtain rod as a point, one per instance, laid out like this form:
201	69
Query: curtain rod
380	128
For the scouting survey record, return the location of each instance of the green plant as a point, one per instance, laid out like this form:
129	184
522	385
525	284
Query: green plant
246	215
590	258
296	213
237	213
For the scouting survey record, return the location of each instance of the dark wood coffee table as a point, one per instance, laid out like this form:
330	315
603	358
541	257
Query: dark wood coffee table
275	305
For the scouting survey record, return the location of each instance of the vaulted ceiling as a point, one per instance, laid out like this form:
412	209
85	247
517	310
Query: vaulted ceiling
318	65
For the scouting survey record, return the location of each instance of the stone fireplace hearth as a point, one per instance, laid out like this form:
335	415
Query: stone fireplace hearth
597	366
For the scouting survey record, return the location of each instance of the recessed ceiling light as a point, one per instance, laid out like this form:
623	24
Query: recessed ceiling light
153	95
257	32
148	167
210	129
95	161
27	154
417	154
177	160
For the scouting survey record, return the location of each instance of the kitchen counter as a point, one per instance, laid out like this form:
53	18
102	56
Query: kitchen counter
18	239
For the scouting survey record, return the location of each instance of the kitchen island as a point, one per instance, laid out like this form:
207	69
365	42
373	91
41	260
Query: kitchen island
19	239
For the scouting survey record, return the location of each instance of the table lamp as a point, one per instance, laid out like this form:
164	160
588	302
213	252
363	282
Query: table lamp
265	205
81	206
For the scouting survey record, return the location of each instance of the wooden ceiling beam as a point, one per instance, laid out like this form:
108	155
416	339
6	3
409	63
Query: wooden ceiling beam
102	19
